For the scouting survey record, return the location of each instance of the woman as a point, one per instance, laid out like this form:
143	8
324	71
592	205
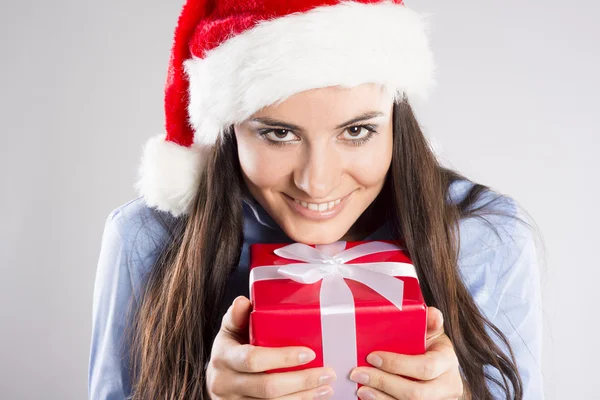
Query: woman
291	122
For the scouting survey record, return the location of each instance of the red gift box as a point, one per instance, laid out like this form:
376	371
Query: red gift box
343	300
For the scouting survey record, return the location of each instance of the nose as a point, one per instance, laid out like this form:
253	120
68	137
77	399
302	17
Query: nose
319	172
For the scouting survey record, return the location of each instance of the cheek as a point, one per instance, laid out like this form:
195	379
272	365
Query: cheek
264	167
373	164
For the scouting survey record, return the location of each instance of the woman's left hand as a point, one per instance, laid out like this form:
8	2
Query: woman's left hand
437	370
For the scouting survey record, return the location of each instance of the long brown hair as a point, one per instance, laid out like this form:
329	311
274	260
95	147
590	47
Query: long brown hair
177	320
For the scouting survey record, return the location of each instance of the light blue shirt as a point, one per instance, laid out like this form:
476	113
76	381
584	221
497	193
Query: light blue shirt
498	265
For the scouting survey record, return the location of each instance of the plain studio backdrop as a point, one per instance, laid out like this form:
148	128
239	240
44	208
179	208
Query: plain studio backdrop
81	90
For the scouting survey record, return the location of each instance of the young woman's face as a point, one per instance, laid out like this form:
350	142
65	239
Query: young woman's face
316	161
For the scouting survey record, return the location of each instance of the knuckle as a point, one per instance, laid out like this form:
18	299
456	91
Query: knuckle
309	381
250	359
289	357
313	380
415	394
395	364
316	393
216	362
215	385
307	395
428	369
268	388
379	381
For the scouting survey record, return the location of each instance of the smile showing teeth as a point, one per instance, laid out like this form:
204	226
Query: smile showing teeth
319	207
318	212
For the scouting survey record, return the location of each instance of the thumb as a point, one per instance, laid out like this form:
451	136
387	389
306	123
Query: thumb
435	323
235	321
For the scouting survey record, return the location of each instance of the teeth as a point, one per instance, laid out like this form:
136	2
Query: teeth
319	207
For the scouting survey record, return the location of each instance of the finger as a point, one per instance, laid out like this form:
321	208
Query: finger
322	393
439	358
390	384
235	320
254	359
435	323
277	385
382	383
368	393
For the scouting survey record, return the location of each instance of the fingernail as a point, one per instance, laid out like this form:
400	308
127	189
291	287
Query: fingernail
375	360
367	395
323	393
326	379
306	356
360	377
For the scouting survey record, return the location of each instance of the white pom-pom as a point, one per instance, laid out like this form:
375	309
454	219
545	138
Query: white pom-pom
169	174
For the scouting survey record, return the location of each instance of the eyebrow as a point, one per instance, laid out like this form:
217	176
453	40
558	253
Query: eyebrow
273	122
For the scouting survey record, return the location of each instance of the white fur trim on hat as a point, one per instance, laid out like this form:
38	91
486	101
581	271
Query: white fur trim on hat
343	45
169	174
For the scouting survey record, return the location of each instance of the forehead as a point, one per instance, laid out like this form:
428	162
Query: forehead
329	103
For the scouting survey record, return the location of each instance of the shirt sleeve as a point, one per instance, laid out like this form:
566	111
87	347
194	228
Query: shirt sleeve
504	279
516	308
108	374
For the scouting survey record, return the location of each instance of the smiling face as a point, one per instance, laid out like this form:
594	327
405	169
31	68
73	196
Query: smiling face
316	161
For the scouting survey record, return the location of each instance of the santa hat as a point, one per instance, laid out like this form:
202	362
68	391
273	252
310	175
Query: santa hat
230	58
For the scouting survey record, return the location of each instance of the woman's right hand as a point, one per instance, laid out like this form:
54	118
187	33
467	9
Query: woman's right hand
236	369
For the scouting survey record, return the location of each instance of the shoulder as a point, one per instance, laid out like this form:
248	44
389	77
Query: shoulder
493	219
135	220
497	243
499	265
134	236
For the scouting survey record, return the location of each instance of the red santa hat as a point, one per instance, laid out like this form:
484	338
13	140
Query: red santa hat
230	58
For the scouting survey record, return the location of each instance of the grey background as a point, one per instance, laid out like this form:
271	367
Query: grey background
81	90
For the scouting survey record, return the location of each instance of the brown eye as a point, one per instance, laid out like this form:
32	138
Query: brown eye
281	133
357	135
280	136
355	130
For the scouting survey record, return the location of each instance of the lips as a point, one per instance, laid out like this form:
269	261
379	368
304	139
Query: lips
315	211
320	206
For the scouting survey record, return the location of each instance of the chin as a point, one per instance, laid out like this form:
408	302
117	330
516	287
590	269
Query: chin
315	239
315	234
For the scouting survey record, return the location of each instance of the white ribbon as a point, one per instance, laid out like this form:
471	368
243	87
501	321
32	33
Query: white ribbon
338	325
